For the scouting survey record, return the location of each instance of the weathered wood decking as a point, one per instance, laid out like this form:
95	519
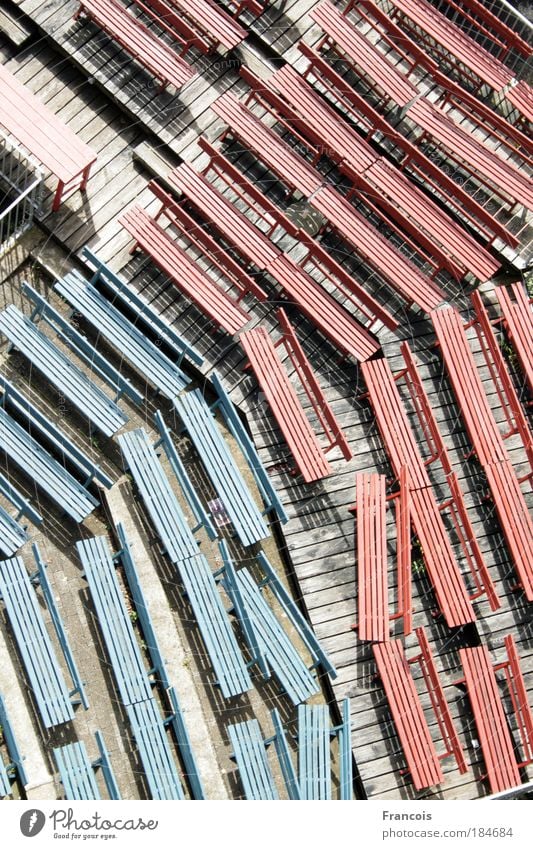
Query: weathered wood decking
320	535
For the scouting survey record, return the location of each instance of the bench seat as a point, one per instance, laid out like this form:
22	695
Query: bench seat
183	271
224	215
464	147
137	40
214	21
376	178
250	754
45	136
123	648
122	335
453	41
398	272
44	470
15	767
158	497
276	154
76	772
230	669
12	535
517	314
286	407
515	520
45	676
322	310
154	750
62	373
408	715
282	658
371	535
361	52
497	744
232	489
314	757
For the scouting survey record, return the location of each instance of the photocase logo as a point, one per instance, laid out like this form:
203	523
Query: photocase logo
32	822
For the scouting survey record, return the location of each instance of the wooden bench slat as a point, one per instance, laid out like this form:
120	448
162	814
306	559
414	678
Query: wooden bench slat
45	676
184	273
59	369
145	47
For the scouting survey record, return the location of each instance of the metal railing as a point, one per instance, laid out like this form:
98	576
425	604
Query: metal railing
21	190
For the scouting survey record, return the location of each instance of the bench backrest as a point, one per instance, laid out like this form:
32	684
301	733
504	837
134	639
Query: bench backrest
144	315
221	467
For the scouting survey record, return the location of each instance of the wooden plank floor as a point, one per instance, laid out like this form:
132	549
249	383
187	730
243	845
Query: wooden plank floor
319	537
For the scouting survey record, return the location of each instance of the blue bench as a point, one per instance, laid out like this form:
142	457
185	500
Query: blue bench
45	675
154	750
80	346
250	754
159	499
59	369
44	470
132	677
201	515
51	434
314	755
123	335
13	769
228	482
268	642
244	441
143	314
176	719
298	620
77	771
314	752
226	657
131	674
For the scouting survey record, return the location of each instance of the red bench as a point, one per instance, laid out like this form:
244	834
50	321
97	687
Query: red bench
268	218
492	27
455	504
137	40
412	54
401	274
183	271
450	590
323	310
47	138
502	176
166	16
422	758
437	33
497	744
204	15
488	443
373	615
509	400
350	43
517	316
310	298
460	145
276	154
413	159
224	216
278	387
254	7
382	186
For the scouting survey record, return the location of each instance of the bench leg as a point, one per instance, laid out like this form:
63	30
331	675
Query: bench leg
85	178
58	195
